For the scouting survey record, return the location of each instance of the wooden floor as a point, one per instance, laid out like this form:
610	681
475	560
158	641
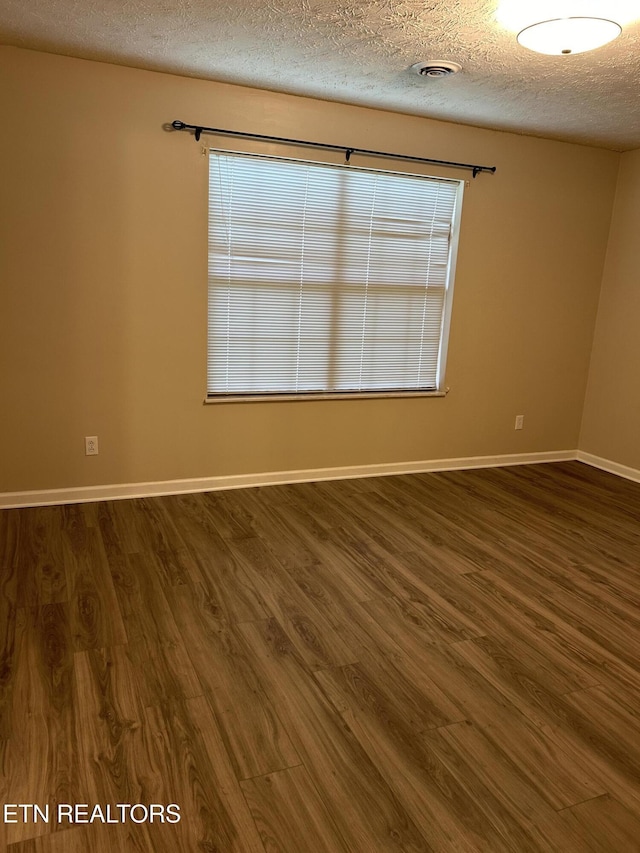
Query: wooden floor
445	662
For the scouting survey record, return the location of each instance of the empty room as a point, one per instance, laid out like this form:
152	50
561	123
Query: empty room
320	426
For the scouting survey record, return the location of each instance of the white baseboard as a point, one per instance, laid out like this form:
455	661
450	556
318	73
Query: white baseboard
607	465
86	494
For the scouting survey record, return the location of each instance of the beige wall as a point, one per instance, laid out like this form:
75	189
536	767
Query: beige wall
611	426
103	288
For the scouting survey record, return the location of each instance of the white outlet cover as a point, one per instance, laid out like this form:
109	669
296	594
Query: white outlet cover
91	445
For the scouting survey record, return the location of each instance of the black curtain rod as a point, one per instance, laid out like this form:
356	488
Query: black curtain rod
199	129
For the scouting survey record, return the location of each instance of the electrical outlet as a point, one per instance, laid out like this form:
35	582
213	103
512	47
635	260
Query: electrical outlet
91	445
519	423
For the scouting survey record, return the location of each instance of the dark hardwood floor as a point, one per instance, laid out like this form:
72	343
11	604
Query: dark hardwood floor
435	662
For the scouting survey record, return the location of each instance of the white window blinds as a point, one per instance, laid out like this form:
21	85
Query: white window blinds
326	279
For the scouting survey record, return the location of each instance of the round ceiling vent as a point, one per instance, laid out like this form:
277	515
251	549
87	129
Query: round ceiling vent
436	68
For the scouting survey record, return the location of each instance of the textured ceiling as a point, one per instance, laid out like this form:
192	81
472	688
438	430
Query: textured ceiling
359	52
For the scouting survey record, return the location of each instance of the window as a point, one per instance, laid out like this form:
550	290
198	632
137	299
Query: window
327	279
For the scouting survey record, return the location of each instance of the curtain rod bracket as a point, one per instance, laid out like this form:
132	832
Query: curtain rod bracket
199	129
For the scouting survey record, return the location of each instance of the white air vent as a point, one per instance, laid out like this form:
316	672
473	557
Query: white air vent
436	68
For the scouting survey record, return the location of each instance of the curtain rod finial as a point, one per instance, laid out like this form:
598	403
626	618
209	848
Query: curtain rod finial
178	125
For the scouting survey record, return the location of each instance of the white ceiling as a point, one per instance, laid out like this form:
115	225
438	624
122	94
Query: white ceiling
357	52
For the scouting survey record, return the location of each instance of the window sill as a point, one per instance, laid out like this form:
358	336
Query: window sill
296	398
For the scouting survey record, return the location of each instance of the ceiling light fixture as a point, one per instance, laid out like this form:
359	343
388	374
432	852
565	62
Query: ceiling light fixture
564	27
562	36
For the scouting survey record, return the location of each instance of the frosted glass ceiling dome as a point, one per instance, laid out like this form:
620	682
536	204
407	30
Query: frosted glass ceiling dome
563	36
562	27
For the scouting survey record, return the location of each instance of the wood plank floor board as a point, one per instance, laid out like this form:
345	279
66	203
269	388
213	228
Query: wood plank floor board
204	518
315	637
437	624
532	635
315	509
310	527
400	678
428	588
604	825
227	583
14	660
254	734
117	525
9	616
559	635
289	813
522	792
509	828
80	839
553	773
617	586
189	779
371	567
12	623
212	564
569	575
156	529
12	541
109	734
446	815
596	751
373	650
574	503
95	613
41	759
270	525
392	535
396	577
513	509
384	689
233	519
352	545
620	639
580	531
40	560
610	707
155	644
325	587
215	813
441	533
367	812
441	662
173	567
